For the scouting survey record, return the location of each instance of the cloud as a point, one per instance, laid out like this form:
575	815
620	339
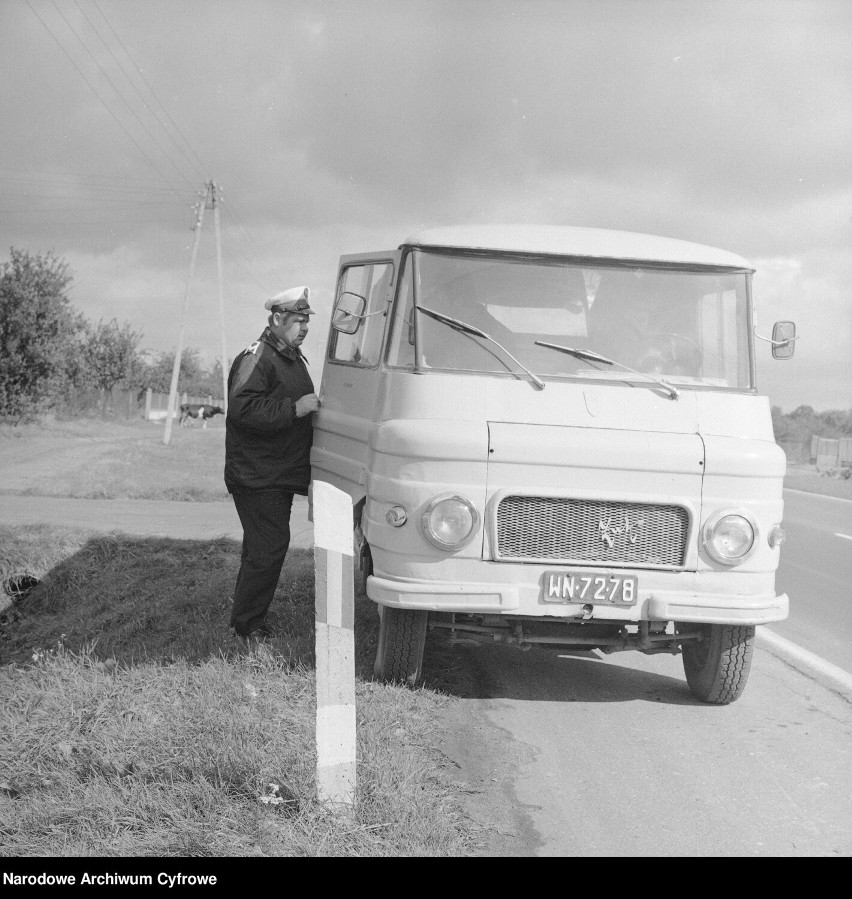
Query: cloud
808	291
337	127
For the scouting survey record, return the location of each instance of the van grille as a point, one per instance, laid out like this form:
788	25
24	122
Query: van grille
588	531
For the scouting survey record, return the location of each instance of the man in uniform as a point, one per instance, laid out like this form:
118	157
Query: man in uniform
268	436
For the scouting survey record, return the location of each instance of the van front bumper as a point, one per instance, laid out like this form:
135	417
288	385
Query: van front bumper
719	609
442	597
654	605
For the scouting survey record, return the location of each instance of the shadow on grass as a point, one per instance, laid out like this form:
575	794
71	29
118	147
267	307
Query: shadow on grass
148	599
144	599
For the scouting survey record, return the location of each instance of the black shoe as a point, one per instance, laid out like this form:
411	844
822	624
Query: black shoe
259	634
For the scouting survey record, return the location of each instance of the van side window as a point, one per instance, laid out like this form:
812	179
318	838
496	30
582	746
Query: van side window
401	351
365	345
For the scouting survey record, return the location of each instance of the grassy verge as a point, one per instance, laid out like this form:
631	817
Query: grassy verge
133	726
95	459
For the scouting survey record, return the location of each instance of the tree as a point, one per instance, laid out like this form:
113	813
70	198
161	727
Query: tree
804	413
111	357
38	330
781	426
837	422
210	384
796	430
159	373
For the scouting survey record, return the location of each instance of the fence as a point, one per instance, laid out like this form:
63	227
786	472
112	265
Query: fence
127	404
830	453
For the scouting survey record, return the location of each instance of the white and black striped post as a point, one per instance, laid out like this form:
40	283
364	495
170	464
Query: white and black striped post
335	644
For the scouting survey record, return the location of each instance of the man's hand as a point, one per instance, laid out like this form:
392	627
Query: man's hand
306	404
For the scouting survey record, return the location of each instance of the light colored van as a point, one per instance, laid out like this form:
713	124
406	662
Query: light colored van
553	436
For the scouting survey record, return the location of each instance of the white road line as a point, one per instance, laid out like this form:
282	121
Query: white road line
835	678
839	499
844	536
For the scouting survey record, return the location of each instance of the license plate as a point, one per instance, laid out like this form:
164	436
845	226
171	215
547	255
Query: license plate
590	587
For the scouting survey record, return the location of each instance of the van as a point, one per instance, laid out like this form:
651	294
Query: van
552	436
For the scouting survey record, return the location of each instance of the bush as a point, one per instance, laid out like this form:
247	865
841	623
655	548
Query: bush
39	332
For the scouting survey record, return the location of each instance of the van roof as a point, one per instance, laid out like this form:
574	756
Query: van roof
594	243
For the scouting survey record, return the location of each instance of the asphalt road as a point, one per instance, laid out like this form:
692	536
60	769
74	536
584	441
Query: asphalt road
580	756
816	573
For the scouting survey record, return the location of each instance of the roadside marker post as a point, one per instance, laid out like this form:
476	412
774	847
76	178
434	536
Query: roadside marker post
335	644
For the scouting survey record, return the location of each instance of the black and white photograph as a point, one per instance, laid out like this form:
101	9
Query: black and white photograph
425	431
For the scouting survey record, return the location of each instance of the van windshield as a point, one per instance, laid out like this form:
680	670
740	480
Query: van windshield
690	327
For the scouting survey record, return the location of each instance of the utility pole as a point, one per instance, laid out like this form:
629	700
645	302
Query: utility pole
172	404
215	194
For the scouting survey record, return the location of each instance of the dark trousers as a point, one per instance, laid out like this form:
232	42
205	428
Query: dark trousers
265	517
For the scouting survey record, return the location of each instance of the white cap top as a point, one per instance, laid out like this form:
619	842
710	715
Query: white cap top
293	300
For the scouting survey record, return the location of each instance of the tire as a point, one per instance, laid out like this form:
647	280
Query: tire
402	636
363	563
717	666
363	556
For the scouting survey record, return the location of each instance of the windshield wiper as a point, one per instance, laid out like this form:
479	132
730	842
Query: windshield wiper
471	331
595	357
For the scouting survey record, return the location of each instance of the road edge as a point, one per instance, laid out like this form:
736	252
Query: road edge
826	673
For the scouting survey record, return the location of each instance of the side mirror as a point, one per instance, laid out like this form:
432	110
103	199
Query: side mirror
783	340
348	312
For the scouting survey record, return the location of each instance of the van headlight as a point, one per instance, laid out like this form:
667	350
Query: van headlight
449	522
730	537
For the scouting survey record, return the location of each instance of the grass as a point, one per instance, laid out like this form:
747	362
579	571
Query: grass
102	459
132	724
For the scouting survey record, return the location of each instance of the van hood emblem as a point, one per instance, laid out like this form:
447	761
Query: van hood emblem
628	528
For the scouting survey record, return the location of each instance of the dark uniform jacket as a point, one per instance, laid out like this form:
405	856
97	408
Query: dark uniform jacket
266	446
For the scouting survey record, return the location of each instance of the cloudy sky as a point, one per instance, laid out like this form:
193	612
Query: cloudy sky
342	127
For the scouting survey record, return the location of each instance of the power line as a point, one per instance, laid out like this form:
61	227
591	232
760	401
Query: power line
15	175
95	92
77	221
67	210
235	261
118	92
229	209
241	231
32	187
131	82
152	91
227	206
78	199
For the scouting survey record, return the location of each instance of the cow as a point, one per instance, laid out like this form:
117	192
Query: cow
198	410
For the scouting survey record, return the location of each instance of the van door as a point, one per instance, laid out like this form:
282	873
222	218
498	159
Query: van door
352	374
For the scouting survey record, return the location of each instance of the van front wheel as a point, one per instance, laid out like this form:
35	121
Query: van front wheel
402	636
717	666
